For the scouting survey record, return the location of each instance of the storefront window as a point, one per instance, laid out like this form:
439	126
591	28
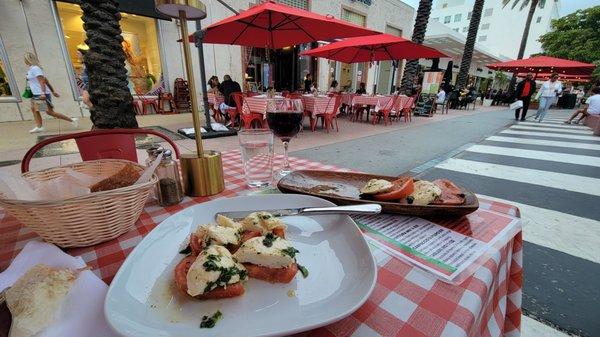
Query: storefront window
8	90
140	45
302	4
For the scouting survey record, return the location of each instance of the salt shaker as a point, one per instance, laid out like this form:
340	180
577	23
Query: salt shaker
169	190
153	152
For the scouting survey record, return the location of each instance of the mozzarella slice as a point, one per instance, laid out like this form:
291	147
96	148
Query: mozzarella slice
201	280
228	222
213	234
256	252
262	222
425	192
375	186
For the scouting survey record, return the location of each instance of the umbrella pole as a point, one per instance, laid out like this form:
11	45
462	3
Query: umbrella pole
376	79
393	86
198	42
191	83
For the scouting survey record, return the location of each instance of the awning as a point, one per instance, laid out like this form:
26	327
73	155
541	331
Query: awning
545	64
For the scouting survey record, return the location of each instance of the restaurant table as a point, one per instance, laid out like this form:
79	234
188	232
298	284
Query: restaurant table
316	105
406	301
258	104
376	102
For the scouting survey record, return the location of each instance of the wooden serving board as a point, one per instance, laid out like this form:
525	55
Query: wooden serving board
342	188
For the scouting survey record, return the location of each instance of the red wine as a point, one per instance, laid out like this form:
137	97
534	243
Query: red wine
285	125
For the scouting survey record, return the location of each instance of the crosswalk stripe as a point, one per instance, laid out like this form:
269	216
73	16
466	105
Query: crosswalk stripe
564	232
533	128
549	134
541	155
561	181
559	126
545	142
532	328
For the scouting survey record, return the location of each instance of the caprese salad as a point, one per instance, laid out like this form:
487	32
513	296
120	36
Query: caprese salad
408	191
221	256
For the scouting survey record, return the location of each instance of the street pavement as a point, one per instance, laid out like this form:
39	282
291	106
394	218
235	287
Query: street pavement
550	170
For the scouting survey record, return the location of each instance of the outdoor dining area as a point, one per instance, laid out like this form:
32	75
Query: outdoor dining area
249	242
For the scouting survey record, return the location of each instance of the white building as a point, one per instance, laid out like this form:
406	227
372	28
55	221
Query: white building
53	29
500	28
452	43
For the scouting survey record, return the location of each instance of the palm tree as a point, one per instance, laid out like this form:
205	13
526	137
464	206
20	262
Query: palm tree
105	64
465	63
533	4
410	70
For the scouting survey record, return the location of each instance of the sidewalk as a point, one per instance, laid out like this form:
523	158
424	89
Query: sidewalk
15	139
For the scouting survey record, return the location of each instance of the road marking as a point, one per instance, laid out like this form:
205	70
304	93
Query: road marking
532	328
533	154
560	231
533	128
559	126
547	134
545	142
561	181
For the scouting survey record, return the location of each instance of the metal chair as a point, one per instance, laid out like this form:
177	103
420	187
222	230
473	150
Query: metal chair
100	144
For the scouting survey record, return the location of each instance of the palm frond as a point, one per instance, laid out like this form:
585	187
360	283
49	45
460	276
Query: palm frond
524	4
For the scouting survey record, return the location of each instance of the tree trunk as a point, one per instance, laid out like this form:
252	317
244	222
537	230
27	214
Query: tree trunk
418	36
465	64
532	7
105	64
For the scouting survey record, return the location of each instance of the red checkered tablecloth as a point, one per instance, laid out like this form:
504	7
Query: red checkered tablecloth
406	301
317	105
377	101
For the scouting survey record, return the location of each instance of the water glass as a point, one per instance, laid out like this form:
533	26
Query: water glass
256	146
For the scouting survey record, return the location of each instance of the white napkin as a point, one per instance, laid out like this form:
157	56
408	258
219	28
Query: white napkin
82	313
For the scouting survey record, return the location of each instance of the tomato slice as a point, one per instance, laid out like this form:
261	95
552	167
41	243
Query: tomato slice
451	194
402	187
273	275
196	244
279	231
181	270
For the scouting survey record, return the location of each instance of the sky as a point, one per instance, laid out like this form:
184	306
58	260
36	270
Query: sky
567	6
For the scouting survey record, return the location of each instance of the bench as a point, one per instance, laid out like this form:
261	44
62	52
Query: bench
593	121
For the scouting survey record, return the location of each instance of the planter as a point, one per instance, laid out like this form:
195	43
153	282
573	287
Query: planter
487	102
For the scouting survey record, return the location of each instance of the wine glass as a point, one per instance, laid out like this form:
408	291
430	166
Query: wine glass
285	119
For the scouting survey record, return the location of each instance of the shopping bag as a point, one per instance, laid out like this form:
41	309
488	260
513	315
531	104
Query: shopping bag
516	105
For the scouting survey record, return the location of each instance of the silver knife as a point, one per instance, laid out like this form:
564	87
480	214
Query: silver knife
352	209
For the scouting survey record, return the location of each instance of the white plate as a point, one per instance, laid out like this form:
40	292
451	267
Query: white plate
141	300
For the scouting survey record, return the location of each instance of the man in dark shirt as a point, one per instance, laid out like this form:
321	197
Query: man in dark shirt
524	91
308	81
228	87
362	89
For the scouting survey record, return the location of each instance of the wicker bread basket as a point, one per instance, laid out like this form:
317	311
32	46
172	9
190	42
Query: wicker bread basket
85	220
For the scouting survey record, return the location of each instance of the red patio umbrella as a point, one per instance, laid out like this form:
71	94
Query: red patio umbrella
274	25
374	48
545	64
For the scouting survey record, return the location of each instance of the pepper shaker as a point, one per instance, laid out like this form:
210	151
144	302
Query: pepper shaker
169	189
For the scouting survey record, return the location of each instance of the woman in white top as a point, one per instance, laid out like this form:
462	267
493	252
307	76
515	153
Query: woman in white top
42	93
548	93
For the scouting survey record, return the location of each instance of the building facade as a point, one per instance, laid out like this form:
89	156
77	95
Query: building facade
500	29
54	31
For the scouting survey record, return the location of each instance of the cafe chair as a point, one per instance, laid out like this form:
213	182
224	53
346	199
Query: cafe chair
146	102
166	98
407	109
101	144
247	117
385	111
329	115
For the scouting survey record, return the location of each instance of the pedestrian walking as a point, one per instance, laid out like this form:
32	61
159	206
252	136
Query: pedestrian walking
548	94
525	90
42	92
